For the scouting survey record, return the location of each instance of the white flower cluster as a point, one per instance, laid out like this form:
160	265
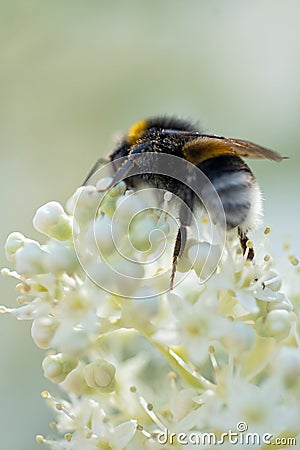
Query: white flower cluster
135	358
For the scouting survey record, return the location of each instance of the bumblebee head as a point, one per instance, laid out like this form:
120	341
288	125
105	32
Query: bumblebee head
148	126
134	133
137	130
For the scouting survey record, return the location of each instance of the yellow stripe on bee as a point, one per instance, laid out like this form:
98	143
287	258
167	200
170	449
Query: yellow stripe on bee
136	130
204	148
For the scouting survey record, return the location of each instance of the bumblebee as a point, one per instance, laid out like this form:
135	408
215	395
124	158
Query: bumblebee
218	157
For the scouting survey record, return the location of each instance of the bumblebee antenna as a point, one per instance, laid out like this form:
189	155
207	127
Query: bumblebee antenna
94	168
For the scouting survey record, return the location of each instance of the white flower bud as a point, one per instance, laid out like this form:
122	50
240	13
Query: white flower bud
30	258
42	331
104	235
83	205
276	323
75	382
110	197
108	205
117	190
103	183
60	258
13	243
128	206
140	231
57	367
100	374
204	258
51	220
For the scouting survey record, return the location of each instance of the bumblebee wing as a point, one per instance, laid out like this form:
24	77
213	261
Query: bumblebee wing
250	150
206	146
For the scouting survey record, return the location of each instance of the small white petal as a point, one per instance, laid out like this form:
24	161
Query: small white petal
122	434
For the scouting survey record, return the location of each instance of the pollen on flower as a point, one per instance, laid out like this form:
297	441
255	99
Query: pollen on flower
45	394
21	287
68	437
3	309
22	300
293	260
5	272
40	439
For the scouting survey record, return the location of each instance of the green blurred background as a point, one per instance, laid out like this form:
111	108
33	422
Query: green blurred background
73	73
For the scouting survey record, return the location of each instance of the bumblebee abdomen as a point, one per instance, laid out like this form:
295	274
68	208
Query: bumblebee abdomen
236	186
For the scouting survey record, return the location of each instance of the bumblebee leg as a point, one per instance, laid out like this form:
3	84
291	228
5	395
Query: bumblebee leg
243	241
178	250
185	219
